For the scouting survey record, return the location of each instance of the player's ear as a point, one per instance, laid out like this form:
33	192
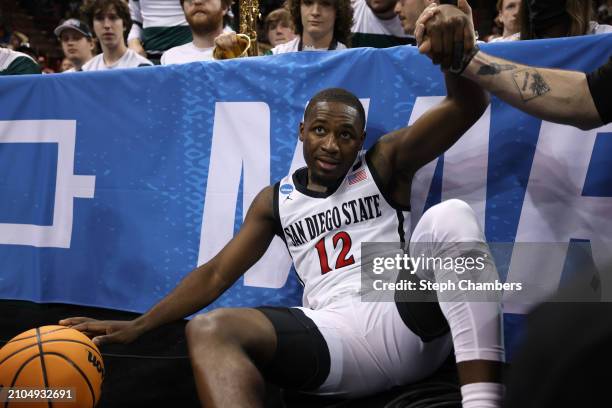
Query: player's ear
301	131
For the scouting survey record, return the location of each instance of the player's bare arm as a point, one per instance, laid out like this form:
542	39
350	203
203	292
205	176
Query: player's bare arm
551	94
399	154
555	95
202	285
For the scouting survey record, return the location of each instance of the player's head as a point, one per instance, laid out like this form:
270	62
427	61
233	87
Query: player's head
110	20
206	16
332	133
319	17
409	11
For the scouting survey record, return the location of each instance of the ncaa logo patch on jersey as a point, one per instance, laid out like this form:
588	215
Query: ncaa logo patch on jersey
286	188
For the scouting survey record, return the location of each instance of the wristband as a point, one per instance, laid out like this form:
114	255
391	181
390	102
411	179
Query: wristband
459	66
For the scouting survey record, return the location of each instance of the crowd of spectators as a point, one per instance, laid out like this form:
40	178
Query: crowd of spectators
106	34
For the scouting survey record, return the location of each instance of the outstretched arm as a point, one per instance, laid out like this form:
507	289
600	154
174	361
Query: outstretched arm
551	94
399	154
202	285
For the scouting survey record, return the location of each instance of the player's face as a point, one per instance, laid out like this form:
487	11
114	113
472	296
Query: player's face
509	16
204	16
108	27
280	33
77	48
381	6
408	12
332	135
318	17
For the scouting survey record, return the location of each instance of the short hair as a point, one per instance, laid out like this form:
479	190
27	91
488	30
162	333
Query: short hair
92	7
342	24
337	95
280	15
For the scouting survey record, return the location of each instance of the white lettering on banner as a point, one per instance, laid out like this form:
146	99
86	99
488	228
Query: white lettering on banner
554	210
67	185
465	166
240	144
421	182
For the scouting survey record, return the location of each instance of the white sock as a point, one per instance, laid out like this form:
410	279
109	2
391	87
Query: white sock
482	395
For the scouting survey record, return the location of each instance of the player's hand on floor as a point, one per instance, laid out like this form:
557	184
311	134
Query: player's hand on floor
104	331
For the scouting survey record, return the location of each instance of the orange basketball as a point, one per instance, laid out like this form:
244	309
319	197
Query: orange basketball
51	358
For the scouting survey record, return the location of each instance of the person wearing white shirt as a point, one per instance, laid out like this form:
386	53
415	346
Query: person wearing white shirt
321	25
158	26
111	19
375	24
205	19
508	14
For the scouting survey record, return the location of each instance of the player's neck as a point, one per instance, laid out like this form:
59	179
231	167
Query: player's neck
322	42
206	40
112	55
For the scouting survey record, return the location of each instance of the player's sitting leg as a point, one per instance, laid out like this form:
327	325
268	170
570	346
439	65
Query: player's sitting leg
233	350
450	229
226	347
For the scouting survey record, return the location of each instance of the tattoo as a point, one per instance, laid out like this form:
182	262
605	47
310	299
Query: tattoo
494	69
530	83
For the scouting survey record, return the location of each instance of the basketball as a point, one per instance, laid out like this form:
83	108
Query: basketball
37	363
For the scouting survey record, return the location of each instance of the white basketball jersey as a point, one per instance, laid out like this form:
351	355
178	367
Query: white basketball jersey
324	232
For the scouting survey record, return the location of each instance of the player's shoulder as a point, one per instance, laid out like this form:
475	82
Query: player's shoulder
263	203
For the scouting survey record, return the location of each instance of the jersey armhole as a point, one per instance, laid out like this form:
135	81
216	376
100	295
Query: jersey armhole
278	229
381	188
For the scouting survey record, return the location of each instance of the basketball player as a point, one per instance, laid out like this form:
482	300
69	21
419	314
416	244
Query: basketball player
337	344
560	96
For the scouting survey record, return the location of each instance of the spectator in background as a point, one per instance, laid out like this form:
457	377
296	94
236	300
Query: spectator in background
18	40
77	43
5	32
558	18
321	25
375	24
66	65
17	63
604	12
206	19
508	15
279	27
408	11
111	20
158	26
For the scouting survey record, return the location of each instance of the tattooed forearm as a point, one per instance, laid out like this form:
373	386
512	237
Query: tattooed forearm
494	69
530	83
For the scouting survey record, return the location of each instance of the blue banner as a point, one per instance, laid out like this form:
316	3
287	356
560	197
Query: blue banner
114	185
